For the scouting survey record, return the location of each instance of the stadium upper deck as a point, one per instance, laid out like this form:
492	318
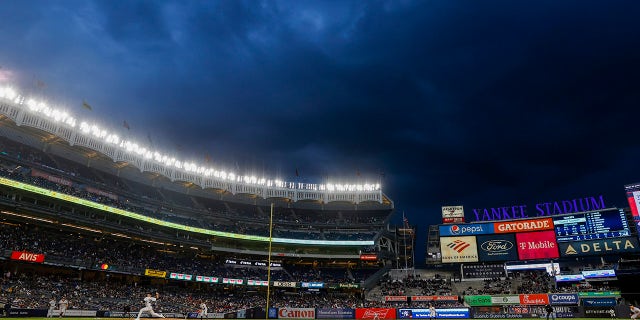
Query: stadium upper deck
56	127
45	147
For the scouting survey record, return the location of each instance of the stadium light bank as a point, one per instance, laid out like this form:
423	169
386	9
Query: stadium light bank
59	116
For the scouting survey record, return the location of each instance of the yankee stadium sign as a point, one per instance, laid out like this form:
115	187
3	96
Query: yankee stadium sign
539	209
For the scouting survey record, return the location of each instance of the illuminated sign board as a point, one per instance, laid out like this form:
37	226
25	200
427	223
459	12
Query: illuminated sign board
207	279
454	230
537	245
540	209
476	301
232	281
524	225
591	225
599	247
569	278
155	273
497	247
483	271
368	257
312	284
263	283
458	249
633	197
173	225
535	299
180	276
564	298
588	274
27	256
442	313
453	214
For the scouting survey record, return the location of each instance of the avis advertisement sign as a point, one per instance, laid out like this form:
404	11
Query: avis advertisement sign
27	256
465	229
563	298
599	247
296	313
375	313
537	245
459	249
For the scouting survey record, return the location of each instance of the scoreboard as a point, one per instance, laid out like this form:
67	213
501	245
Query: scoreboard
593	225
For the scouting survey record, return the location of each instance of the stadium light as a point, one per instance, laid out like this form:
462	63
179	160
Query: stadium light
58	116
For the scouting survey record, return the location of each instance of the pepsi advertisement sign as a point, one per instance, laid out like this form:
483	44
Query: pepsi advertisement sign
563	298
466	229
497	247
444	313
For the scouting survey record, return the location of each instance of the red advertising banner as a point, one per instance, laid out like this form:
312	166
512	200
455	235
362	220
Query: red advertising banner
434	298
27	256
537	245
523	225
375	313
54	179
395	298
538	299
102	193
369	257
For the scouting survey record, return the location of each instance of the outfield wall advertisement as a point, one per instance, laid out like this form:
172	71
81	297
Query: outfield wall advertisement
441	313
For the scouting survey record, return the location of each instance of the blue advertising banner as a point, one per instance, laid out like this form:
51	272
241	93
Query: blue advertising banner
273	313
466	229
327	313
444	313
312	284
599	247
564	298
598	302
497	247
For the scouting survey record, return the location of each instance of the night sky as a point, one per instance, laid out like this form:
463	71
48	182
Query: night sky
474	103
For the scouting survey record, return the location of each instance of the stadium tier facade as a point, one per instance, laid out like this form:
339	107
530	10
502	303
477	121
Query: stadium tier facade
62	176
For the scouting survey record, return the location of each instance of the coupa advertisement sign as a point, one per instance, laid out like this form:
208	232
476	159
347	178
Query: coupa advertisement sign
441	313
497	247
563	298
459	249
327	313
465	229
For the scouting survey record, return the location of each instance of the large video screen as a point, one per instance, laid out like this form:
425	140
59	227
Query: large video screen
610	223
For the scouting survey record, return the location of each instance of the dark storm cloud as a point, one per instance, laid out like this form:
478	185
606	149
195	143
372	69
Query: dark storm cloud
474	103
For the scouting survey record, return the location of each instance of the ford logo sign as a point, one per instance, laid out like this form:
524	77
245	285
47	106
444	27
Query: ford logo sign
496	245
